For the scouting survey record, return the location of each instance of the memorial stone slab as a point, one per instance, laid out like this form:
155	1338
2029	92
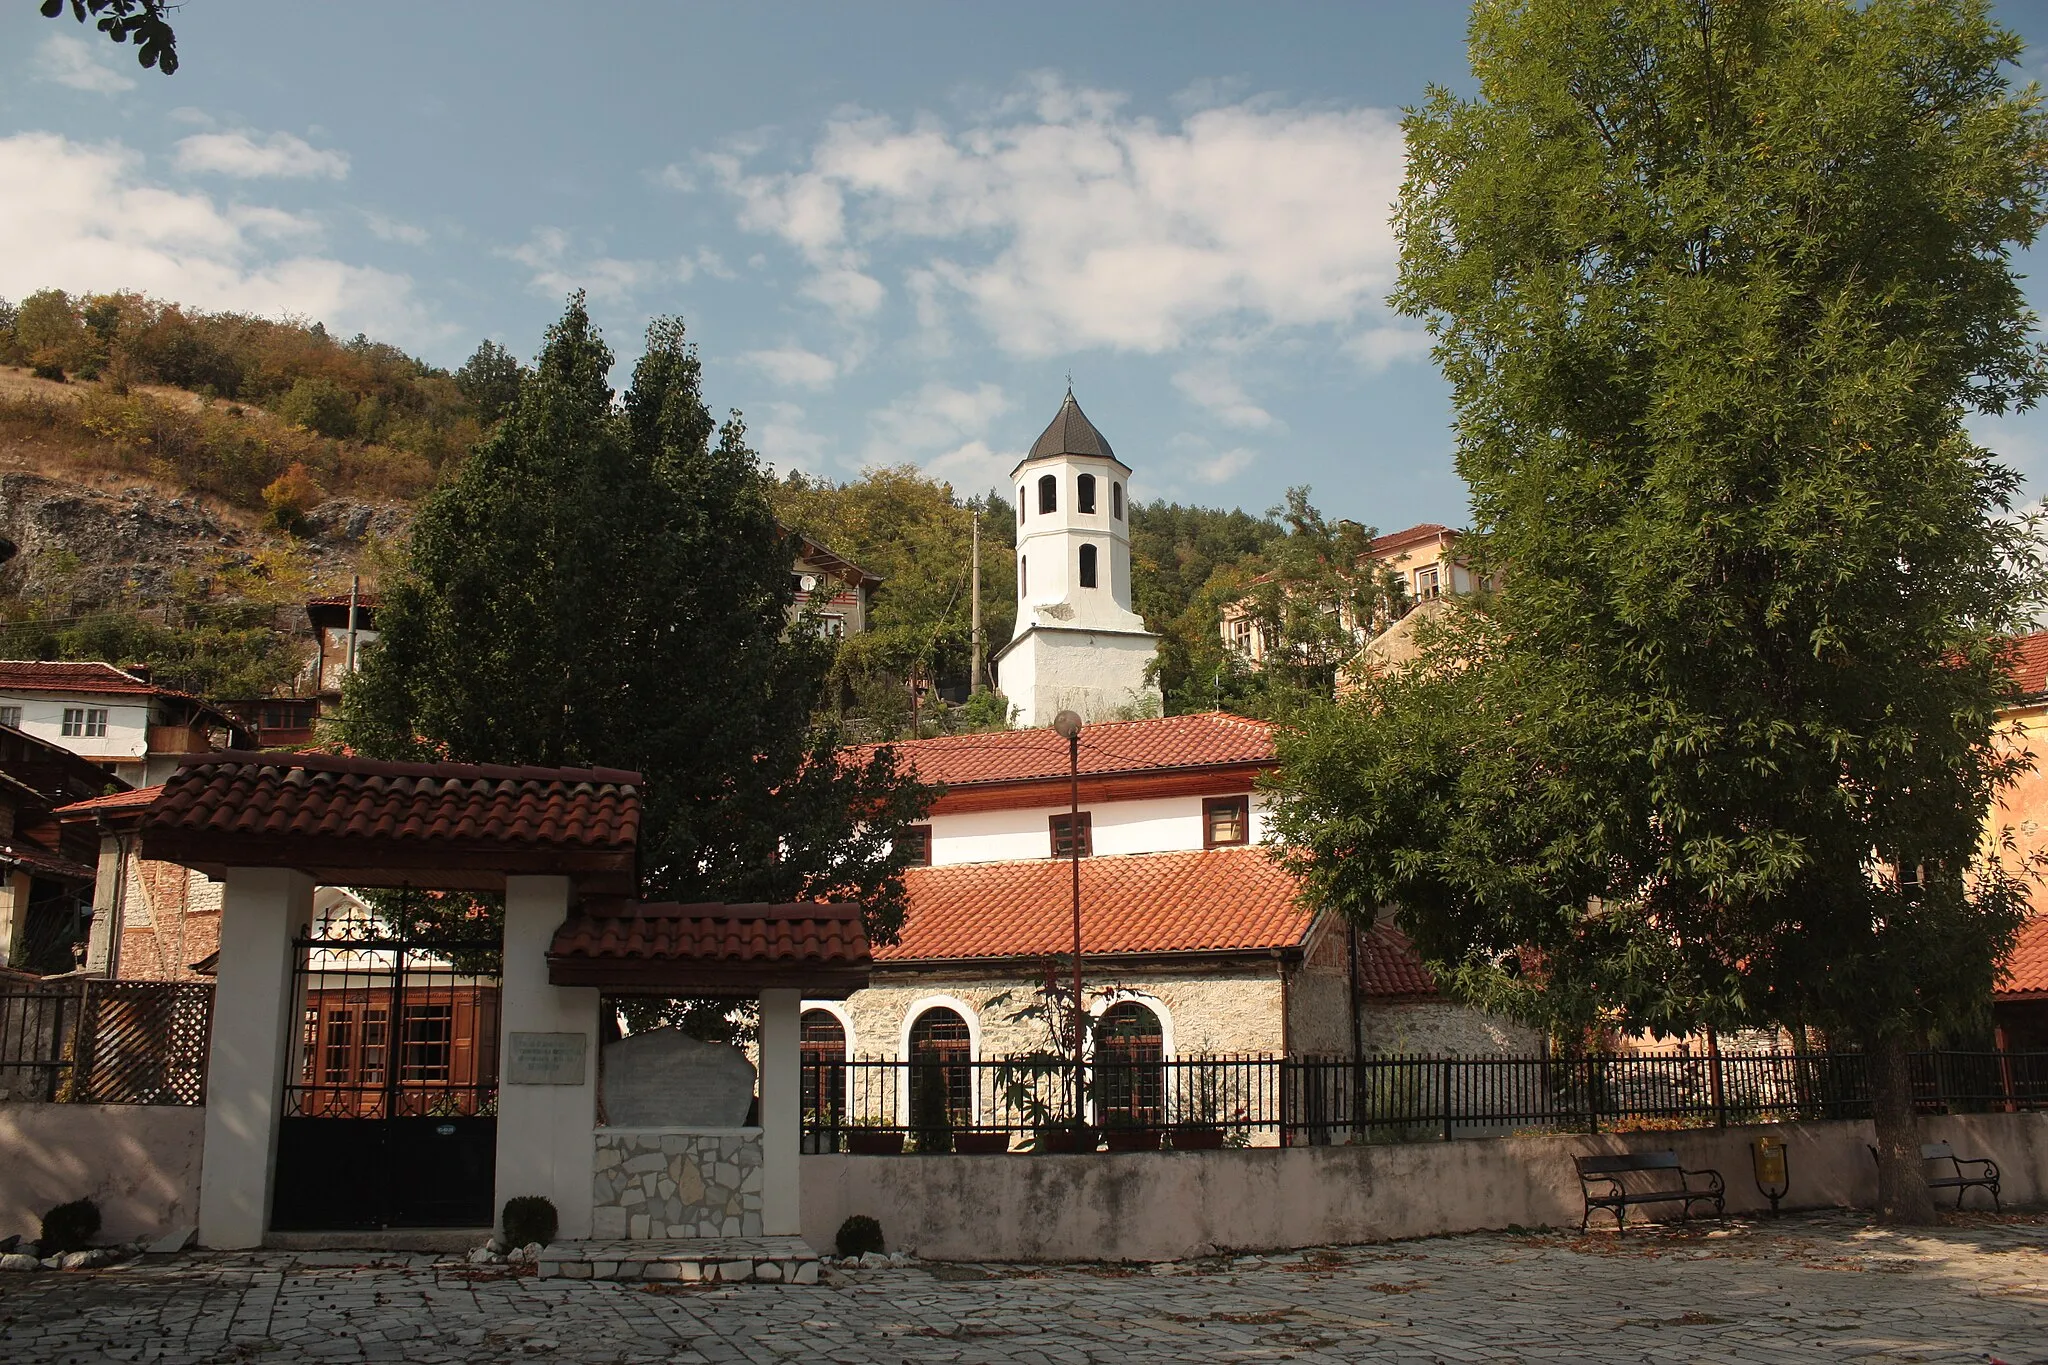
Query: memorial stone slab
664	1078
545	1058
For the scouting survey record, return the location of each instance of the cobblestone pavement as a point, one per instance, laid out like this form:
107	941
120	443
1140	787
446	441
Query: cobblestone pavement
1818	1288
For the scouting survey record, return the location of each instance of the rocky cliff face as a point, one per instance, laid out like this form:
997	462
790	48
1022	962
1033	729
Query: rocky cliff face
110	539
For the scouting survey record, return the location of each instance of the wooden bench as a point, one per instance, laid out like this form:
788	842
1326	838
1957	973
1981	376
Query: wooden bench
1953	1176
1603	1180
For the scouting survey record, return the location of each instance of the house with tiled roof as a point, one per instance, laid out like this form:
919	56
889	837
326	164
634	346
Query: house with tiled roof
1422	561
46	867
1194	940
117	718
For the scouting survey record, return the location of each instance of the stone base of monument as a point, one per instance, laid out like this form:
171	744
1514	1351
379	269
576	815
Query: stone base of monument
720	1260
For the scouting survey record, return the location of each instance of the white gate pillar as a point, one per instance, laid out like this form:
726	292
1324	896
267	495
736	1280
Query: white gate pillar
262	910
547	1063
781	1112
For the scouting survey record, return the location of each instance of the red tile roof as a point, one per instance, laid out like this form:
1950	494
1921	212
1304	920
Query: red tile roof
2026	971
114	803
1388	964
2029	662
734	949
366	601
41	675
1210	739
38	861
363	819
1414	535
1204	901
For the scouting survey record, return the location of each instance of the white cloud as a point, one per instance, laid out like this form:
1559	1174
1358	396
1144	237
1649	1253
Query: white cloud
607	279
1211	386
781	432
935	421
82	217
974	468
392	230
1226	466
73	62
1379	347
281	155
1059	221
794	367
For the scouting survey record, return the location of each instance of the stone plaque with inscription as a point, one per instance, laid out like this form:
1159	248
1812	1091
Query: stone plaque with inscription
666	1079
546	1058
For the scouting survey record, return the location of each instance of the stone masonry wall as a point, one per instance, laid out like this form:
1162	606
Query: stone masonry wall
655	1183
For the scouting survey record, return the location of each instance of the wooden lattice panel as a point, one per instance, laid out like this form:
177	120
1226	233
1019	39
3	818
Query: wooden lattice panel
143	1042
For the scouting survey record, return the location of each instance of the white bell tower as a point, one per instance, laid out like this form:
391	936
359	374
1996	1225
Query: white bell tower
1078	645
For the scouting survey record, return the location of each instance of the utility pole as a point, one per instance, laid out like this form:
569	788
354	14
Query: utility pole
974	630
1068	726
355	592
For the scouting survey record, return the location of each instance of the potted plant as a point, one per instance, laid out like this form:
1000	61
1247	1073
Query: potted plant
977	1142
874	1140
1197	1135
1063	1136
1123	1131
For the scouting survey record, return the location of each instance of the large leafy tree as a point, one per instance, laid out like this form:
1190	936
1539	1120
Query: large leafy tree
607	585
1716	283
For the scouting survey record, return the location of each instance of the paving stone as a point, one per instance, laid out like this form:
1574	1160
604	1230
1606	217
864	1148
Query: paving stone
1824	1288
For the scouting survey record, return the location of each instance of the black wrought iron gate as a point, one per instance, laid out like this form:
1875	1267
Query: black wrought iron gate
391	1092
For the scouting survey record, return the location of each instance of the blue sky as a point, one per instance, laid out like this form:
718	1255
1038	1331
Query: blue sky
893	229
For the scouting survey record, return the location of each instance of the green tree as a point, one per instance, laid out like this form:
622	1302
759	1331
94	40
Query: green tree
321	406
139	21
1186	562
608	586
489	379
1715	283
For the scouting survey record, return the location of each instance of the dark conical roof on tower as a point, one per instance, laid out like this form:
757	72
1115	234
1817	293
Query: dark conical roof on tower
1071	433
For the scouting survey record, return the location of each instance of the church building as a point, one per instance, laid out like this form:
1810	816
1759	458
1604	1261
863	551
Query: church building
1195	942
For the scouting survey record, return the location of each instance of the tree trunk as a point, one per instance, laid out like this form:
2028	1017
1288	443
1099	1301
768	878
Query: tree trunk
1902	1193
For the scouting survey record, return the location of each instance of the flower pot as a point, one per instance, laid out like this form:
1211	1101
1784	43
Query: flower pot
981	1144
1132	1139
874	1142
1198	1140
1065	1140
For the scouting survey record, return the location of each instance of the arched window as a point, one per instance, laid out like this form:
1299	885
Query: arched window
941	1081
822	1040
1087	566
1084	494
1048	494
1020	505
1129	1080
1023	575
1116	501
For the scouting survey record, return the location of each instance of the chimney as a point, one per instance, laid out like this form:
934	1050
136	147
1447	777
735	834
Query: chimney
140	672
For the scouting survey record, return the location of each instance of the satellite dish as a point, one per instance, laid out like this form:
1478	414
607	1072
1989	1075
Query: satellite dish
809	582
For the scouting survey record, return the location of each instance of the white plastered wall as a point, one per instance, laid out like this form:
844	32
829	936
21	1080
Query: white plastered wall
1155	825
1098	673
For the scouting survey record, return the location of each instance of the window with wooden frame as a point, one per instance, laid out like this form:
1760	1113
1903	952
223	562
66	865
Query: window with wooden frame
1062	827
1226	820
917	841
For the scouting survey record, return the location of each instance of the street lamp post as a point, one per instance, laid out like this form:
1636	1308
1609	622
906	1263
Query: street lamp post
1068	725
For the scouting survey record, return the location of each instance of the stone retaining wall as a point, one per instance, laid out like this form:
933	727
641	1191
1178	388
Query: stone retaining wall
1150	1206
658	1183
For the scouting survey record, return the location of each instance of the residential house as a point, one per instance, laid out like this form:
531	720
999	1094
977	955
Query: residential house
342	626
2020	999
1422	560
47	866
837	587
114	717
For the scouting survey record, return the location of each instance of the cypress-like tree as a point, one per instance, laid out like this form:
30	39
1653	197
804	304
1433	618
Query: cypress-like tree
1715	283
607	585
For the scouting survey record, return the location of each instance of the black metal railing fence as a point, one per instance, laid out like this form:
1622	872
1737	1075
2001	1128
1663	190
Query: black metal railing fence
88	1041
1308	1101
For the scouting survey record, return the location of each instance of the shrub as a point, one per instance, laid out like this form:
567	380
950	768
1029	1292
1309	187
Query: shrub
70	1227
529	1218
319	405
858	1235
290	496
